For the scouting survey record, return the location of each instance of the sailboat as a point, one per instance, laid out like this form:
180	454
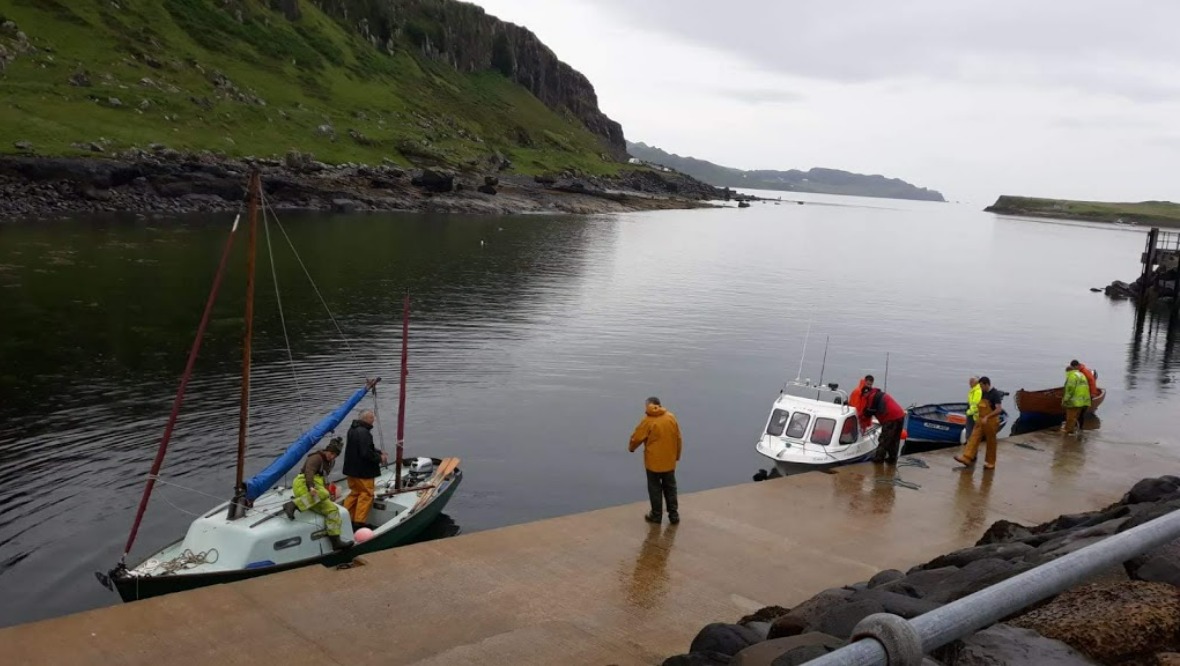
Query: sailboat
249	535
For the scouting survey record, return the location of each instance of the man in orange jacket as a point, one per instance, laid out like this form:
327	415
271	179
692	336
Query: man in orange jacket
659	434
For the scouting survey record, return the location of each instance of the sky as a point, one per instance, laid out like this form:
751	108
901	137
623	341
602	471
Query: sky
1056	98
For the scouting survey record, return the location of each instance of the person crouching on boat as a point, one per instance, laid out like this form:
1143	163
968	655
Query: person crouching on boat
876	403
312	495
362	466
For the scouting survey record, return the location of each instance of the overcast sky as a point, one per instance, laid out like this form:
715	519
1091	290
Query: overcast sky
1076	98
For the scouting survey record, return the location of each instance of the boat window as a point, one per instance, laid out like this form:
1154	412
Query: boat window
798	425
288	543
778	421
851	431
822	432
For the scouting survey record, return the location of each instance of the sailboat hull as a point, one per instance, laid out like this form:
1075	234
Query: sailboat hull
135	588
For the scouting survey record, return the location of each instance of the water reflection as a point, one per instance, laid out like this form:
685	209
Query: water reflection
647	582
971	500
865	494
1151	352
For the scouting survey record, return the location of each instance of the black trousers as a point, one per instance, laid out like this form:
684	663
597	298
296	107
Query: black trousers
889	442
661	486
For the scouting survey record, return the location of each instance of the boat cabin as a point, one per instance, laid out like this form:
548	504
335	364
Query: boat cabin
816	415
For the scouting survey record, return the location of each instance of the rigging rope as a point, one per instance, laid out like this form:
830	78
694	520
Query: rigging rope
307	273
283	317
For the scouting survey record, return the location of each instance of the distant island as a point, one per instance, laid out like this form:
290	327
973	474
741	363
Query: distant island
1147	213
821	181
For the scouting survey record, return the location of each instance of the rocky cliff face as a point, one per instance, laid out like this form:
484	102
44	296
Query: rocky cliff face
468	39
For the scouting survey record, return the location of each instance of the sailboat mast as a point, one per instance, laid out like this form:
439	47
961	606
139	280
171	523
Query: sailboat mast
236	509
401	398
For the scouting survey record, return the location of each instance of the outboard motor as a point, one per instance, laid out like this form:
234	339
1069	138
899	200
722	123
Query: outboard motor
419	470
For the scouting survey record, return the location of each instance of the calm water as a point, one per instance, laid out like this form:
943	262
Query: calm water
531	353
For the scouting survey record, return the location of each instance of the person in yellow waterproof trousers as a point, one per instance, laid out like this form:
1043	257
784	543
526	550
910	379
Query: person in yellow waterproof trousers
986	426
312	495
1075	398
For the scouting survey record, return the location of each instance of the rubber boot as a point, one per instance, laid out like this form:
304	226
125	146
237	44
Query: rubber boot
289	508
337	543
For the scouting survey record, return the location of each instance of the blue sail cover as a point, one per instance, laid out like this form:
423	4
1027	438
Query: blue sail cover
262	481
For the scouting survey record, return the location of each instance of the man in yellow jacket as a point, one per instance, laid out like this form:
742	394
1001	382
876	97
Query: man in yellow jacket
659	434
974	394
1075	398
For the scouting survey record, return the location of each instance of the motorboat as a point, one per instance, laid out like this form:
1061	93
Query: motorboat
812	427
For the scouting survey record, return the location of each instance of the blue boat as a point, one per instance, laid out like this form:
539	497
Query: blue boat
940	424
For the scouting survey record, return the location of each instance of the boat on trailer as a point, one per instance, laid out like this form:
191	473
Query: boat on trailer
812	427
249	535
940	425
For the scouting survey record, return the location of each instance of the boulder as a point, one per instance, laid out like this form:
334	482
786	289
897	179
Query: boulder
326	130
727	639
114	102
1002	645
699	659
487	189
922	583
24	146
345	205
841	620
1153	490
545	179
1110	622
1119	289
491	180
760	628
884	577
1167	659
961	558
1003	531
80	79
899	604
813	609
765	614
787	625
434	180
787	651
973	578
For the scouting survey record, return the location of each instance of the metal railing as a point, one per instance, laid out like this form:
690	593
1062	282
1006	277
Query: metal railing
885	639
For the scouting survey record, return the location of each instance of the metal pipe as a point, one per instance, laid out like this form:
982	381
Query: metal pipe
984	608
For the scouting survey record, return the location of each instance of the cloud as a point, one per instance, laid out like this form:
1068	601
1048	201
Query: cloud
1091	45
762	95
1052	98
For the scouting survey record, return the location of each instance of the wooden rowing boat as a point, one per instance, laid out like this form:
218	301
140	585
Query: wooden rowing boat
1048	401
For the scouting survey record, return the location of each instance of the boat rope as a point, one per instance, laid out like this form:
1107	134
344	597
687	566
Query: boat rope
189	560
283	319
307	273
377	420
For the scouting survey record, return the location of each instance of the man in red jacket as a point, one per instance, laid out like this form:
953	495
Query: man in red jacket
891	416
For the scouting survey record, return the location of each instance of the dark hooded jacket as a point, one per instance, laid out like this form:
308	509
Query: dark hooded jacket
362	460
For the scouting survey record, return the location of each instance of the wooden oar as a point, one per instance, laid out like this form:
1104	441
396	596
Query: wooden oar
444	469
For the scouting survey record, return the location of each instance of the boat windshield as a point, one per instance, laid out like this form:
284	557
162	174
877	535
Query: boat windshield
822	432
798	425
851	431
778	421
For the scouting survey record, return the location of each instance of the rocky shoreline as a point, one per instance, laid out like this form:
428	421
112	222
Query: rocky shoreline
164	181
1129	616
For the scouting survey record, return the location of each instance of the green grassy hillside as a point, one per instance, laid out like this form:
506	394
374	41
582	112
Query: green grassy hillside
1159	213
239	77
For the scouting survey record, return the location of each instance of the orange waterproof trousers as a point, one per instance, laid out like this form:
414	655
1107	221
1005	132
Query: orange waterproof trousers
985	430
360	498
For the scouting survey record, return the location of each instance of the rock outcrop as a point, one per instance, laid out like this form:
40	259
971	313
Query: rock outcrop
467	38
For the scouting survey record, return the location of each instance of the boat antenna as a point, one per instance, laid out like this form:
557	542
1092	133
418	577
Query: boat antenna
401	398
886	387
237	508
802	356
823	366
